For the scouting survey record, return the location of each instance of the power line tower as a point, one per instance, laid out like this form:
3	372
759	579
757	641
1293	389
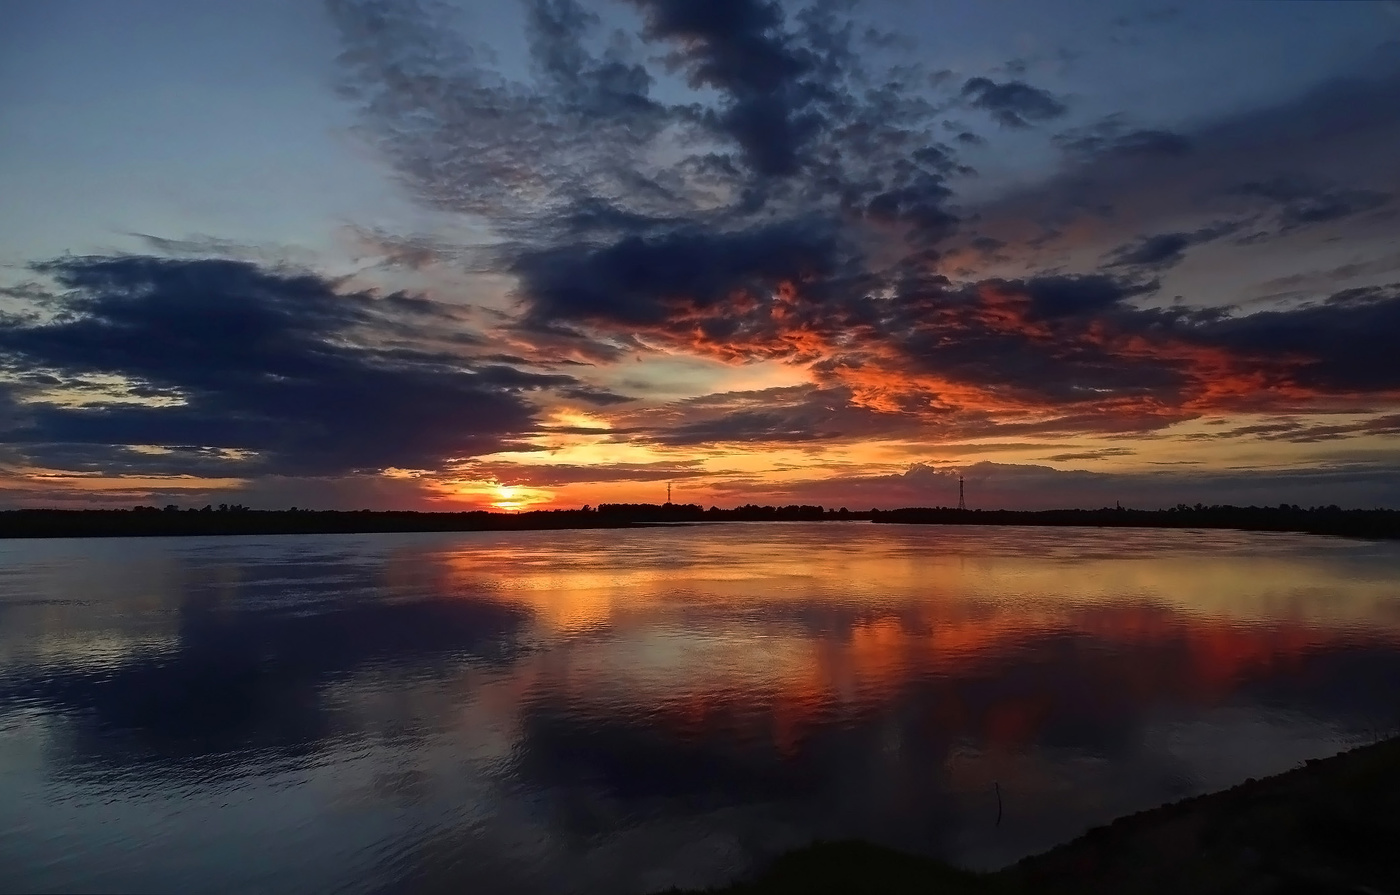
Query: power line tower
962	501
668	492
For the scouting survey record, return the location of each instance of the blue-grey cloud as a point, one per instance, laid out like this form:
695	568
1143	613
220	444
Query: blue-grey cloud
648	281
1111	137
776	83
1319	158
798	126
1163	250
1300	200
305	378
1013	103
799	203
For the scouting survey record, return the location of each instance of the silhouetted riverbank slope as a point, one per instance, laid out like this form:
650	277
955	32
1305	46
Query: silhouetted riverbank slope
1313	520
1331	826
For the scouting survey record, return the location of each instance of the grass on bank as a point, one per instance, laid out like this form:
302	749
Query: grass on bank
1330	827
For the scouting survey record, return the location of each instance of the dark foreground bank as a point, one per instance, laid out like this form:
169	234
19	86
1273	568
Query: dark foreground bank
1331	826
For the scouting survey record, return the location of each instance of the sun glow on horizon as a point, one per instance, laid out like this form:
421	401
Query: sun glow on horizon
512	498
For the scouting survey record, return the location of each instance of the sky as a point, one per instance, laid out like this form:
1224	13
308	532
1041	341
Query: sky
509	254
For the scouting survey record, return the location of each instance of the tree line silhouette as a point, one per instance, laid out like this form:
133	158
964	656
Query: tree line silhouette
1331	520
236	519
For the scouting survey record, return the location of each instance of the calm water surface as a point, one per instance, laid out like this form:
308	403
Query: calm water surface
602	711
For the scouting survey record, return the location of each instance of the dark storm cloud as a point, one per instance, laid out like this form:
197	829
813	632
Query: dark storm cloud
1041	340
1342	345
800	133
792	414
775	84
612	87
577	143
802	206
1099	454
1075	296
1012	103
121	460
1111	137
1294	430
553	475
642	280
776	425
990	352
1081	342
1162	250
1165	250
920	205
1300	201
466	140
1243	168
307	379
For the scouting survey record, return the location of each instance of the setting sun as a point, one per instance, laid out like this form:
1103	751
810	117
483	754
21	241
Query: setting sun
514	497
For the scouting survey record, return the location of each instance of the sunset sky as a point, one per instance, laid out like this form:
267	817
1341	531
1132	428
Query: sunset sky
458	254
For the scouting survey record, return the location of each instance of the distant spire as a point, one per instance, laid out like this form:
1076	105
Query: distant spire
962	501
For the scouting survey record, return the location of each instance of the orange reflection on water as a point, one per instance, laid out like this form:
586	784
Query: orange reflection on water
1096	665
771	632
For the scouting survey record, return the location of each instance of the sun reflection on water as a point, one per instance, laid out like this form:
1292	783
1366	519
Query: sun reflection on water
641	690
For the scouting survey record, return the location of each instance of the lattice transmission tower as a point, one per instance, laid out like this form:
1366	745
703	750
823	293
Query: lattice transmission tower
962	501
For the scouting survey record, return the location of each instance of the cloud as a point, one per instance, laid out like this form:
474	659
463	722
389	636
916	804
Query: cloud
1162	250
1100	454
1165	250
772	79
1337	346
553	475
1050	354
817	240
278	373
651	281
1077	347
1318	158
279	368
787	121
465	140
1112	138
801	414
1294	430
991	485
1300	201
1012	103
732	181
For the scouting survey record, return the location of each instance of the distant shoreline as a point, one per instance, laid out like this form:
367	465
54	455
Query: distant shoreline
1384	524
230	521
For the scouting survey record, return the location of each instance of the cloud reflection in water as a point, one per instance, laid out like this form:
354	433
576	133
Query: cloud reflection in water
587	711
